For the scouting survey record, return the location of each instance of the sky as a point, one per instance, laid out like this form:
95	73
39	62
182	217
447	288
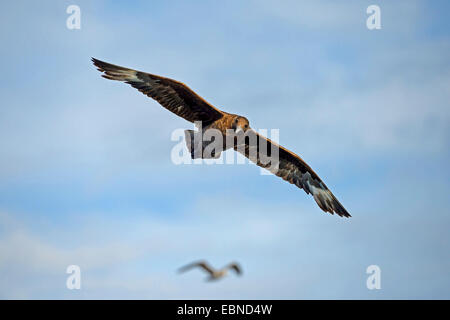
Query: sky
86	176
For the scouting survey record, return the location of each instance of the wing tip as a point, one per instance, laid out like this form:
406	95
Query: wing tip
113	72
328	202
339	209
335	207
185	268
344	214
98	63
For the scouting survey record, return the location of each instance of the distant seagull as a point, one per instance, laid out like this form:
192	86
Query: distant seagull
181	100
213	274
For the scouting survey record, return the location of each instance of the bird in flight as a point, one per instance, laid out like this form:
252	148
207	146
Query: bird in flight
213	274
184	102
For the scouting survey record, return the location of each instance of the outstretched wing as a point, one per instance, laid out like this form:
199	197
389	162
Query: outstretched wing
172	95
234	266
201	264
291	168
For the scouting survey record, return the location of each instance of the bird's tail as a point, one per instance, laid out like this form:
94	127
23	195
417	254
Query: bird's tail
197	146
189	137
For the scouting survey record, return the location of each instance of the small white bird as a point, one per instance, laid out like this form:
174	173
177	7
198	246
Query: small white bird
213	274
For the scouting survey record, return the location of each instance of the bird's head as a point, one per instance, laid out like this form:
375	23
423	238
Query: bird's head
240	124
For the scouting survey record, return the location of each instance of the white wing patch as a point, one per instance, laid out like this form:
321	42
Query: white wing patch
122	75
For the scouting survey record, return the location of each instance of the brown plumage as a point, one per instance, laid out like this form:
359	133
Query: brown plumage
181	100
172	95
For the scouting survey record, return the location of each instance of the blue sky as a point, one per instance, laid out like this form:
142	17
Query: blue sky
86	176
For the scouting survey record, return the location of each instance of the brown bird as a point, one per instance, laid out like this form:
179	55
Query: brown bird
181	100
213	274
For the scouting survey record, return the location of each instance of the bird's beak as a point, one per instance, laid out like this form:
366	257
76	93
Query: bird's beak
238	129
